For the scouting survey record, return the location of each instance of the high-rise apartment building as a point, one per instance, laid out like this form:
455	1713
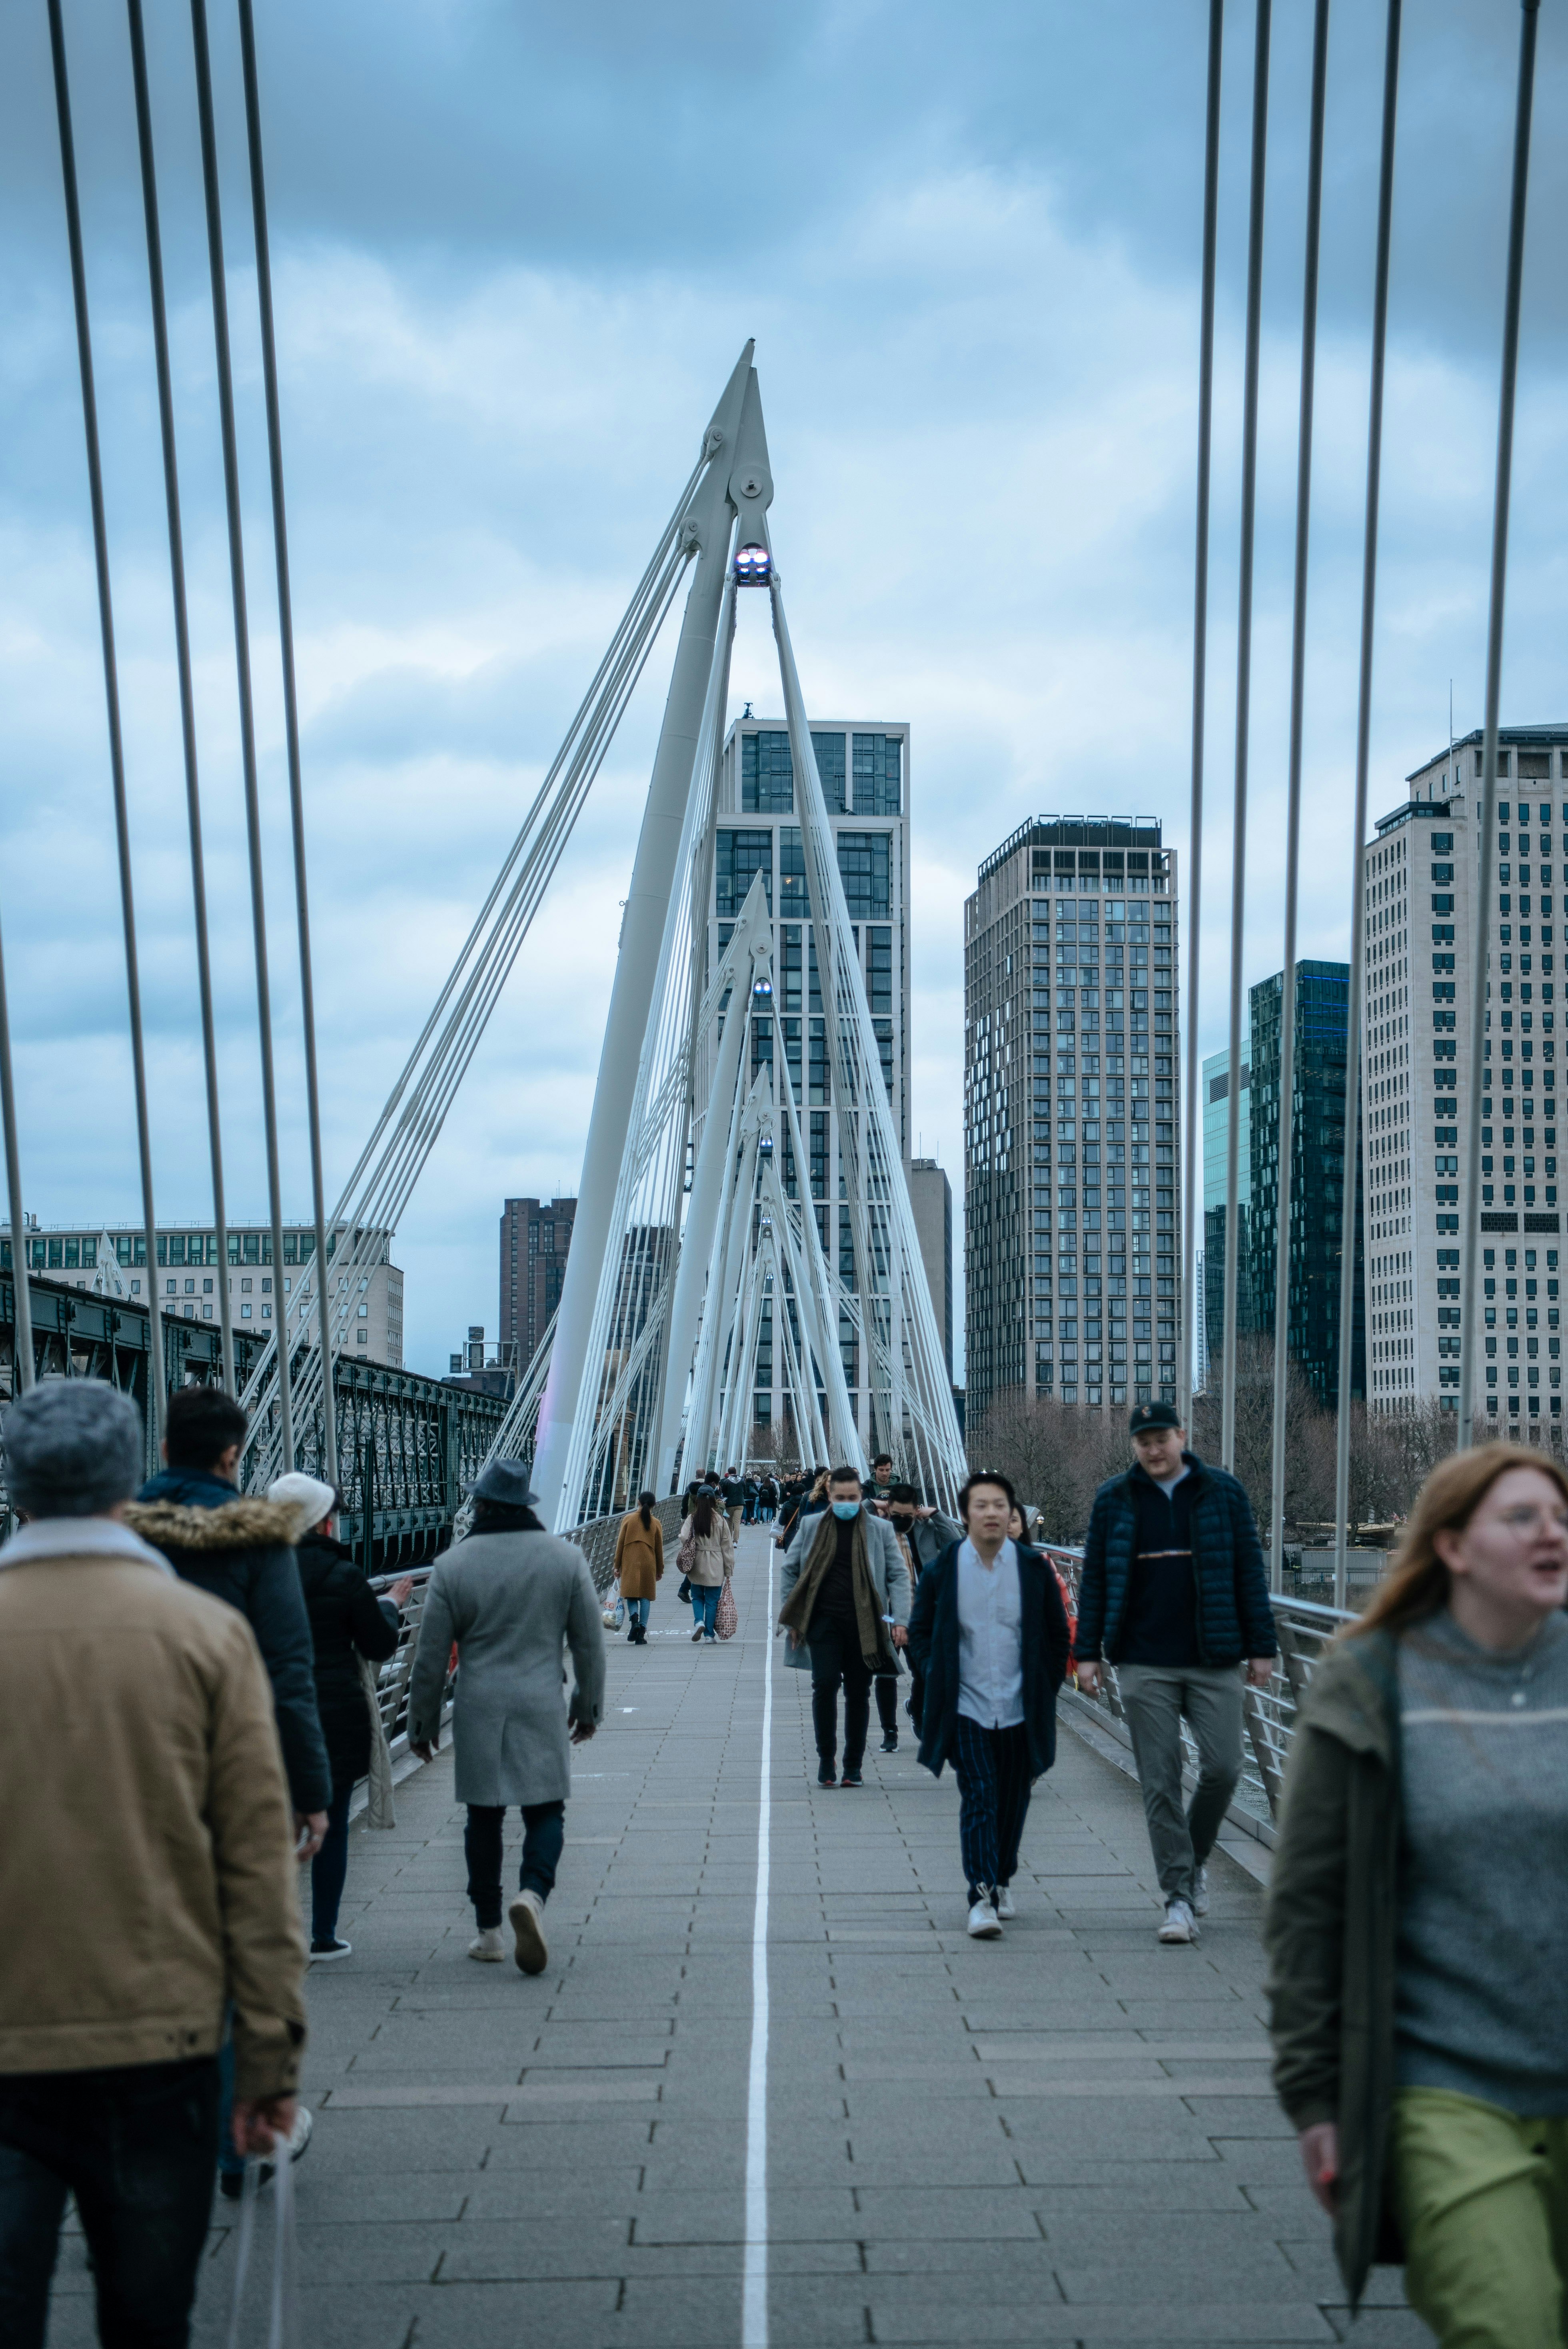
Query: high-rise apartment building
187	1273
1422	935
1318	1174
930	1197
535	1237
1216	1111
1071	1115
864	766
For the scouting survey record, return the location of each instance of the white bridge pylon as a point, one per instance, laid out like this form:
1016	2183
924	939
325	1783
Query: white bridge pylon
662	1317
696	1241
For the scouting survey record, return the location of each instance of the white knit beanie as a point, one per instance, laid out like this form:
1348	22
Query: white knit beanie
307	1496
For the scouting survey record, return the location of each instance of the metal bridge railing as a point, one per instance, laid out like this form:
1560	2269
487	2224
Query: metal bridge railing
1304	1631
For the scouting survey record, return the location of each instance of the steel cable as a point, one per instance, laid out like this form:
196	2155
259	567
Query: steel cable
1523	107
184	672
158	1399
1286	1109
1363	745
1244	715
1190	1305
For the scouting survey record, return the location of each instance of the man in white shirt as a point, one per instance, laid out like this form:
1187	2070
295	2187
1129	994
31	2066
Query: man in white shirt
989	1633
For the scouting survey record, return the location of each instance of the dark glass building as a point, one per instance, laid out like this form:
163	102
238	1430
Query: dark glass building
1317	1172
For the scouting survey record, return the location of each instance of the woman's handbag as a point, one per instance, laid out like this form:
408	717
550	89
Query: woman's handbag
380	1811
726	1621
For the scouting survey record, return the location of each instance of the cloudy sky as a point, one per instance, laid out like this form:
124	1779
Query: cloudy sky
517	250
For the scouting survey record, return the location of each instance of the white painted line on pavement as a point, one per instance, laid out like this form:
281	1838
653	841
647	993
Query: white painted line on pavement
753	2310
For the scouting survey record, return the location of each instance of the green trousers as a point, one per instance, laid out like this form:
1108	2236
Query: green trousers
1482	2198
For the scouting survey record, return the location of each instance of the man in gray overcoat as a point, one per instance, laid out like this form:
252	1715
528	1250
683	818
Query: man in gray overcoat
846	1608
513	1598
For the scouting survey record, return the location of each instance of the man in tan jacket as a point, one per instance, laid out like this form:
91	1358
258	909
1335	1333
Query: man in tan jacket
146	1878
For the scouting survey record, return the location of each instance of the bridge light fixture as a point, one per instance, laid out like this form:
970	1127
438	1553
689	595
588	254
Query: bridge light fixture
764	987
753	567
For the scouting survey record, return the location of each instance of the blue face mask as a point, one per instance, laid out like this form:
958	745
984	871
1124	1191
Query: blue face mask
846	1509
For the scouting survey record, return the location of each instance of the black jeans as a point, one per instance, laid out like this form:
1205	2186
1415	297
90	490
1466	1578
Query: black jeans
837	1660
138	2147
543	1836
329	1869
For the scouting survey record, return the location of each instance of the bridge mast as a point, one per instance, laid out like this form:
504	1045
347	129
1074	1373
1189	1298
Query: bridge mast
706	530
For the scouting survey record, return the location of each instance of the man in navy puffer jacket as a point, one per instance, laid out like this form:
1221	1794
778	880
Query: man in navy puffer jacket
1173	1593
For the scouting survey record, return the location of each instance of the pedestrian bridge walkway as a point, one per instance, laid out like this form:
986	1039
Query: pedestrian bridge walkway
1068	2137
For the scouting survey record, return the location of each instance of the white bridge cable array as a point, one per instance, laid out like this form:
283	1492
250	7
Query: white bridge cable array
383	1180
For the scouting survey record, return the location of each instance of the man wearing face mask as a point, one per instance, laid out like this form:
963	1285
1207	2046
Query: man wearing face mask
846	1605
923	1534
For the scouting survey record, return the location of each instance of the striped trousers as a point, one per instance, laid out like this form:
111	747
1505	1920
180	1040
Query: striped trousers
992	1767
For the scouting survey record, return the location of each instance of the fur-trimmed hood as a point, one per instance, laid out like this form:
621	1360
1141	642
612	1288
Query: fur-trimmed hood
240	1524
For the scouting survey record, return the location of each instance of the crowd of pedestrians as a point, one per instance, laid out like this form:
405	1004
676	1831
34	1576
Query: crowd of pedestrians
188	1694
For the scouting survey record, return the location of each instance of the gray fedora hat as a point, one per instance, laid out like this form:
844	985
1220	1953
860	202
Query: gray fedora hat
505	1481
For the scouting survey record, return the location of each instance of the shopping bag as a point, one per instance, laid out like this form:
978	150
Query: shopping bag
726	1623
615	1616
282	2326
380	1811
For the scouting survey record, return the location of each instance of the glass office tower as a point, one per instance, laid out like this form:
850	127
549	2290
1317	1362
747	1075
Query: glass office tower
1317	1172
1071	1115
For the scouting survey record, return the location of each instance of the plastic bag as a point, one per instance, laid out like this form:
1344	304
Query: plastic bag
282	2326
615	1616
726	1621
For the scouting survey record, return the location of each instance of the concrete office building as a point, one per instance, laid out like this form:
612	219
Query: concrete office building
930	1196
535	1239
1317	1131
1071	1115
864	765
96	1257
1421	930
1212	1289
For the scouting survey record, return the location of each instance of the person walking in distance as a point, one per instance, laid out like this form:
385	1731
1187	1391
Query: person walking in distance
240	1549
347	1622
734	1490
515	1599
845	1608
639	1565
922	1533
147	1871
1173	1593
706	1558
881	1480
1416	1926
989	1633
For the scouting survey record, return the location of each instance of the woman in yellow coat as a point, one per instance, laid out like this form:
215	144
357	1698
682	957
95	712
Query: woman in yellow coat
639	1564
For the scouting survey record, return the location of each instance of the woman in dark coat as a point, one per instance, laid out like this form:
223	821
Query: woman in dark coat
347	1620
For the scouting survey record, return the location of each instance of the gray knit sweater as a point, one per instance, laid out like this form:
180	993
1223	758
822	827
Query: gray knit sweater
1483	1891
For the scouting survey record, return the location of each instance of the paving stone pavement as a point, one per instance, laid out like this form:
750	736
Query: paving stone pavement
1065	2137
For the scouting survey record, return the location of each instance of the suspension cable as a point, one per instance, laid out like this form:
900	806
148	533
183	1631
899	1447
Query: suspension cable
22	1365
1499	518
1287	1111
183	667
1347	1218
1190	1306
111	697
247	709
1244	713
291	730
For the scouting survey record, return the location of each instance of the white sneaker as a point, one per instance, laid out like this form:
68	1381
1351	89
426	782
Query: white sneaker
489	1945
1006	1905
526	1918
299	2136
983	1921
1180	1924
1201	1893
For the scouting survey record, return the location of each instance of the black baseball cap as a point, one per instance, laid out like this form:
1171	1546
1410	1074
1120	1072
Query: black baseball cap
1151	1415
